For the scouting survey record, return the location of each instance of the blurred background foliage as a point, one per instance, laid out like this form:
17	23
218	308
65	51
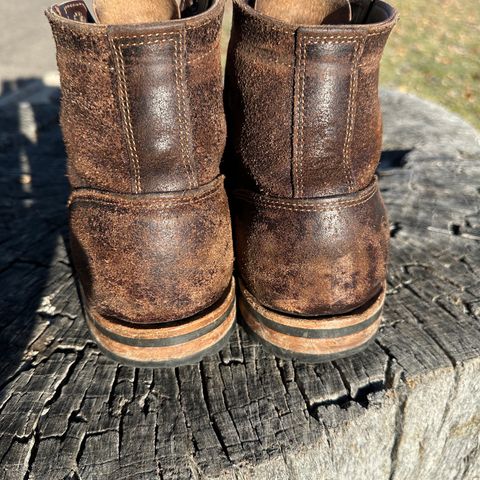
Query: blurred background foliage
434	52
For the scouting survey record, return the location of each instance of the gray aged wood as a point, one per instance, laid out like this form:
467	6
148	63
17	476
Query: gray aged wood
407	408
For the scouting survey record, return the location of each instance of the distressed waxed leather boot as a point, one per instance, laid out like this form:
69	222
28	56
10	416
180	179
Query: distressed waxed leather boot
144	127
304	139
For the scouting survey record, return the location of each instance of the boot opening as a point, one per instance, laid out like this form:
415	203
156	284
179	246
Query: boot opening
120	12
140	11
377	12
323	12
315	12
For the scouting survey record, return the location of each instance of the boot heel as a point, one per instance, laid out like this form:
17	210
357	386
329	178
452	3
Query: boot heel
170	344
313	340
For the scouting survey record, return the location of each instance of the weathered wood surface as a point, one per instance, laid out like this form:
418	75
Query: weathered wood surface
407	408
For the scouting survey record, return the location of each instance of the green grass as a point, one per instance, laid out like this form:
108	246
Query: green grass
434	52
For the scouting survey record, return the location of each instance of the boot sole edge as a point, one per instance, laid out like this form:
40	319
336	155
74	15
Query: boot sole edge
166	345
311	340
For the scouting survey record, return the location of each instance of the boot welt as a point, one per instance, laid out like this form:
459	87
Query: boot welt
311	339
167	344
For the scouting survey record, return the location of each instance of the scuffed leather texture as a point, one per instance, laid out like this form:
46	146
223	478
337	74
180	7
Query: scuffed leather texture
151	258
142	107
304	140
142	118
321	83
312	257
90	118
258	98
337	122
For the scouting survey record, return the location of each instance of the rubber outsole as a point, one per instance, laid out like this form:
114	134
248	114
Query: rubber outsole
168	344
311	340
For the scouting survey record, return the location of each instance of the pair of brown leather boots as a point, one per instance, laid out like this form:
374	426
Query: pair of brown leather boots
144	127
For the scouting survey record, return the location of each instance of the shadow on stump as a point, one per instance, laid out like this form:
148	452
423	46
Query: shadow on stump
33	195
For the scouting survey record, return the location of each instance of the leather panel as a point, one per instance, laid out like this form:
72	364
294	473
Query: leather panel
366	141
205	95
312	257
324	113
90	118
152	89
259	83
152	258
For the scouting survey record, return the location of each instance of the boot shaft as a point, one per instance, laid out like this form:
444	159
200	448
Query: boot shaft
304	114
142	104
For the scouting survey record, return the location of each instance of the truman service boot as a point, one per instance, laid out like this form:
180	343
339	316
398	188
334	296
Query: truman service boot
310	228
143	122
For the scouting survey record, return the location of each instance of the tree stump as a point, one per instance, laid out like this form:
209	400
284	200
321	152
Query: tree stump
406	408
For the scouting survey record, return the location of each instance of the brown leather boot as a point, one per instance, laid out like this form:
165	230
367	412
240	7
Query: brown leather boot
143	122
310	228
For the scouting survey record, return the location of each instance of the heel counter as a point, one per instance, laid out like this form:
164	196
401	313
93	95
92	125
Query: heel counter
320	257
151	258
142	104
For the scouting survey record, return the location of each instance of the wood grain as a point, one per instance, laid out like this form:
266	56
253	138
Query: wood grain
406	408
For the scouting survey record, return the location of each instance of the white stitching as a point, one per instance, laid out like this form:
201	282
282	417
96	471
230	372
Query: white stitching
128	121
143	201
360	36
347	167
302	124
152	42
180	90
146	35
300	103
203	55
181	109
72	5
309	207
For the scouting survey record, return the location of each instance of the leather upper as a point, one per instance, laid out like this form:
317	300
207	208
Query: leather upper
312	257
143	122
142	104
304	140
152	258
304	116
